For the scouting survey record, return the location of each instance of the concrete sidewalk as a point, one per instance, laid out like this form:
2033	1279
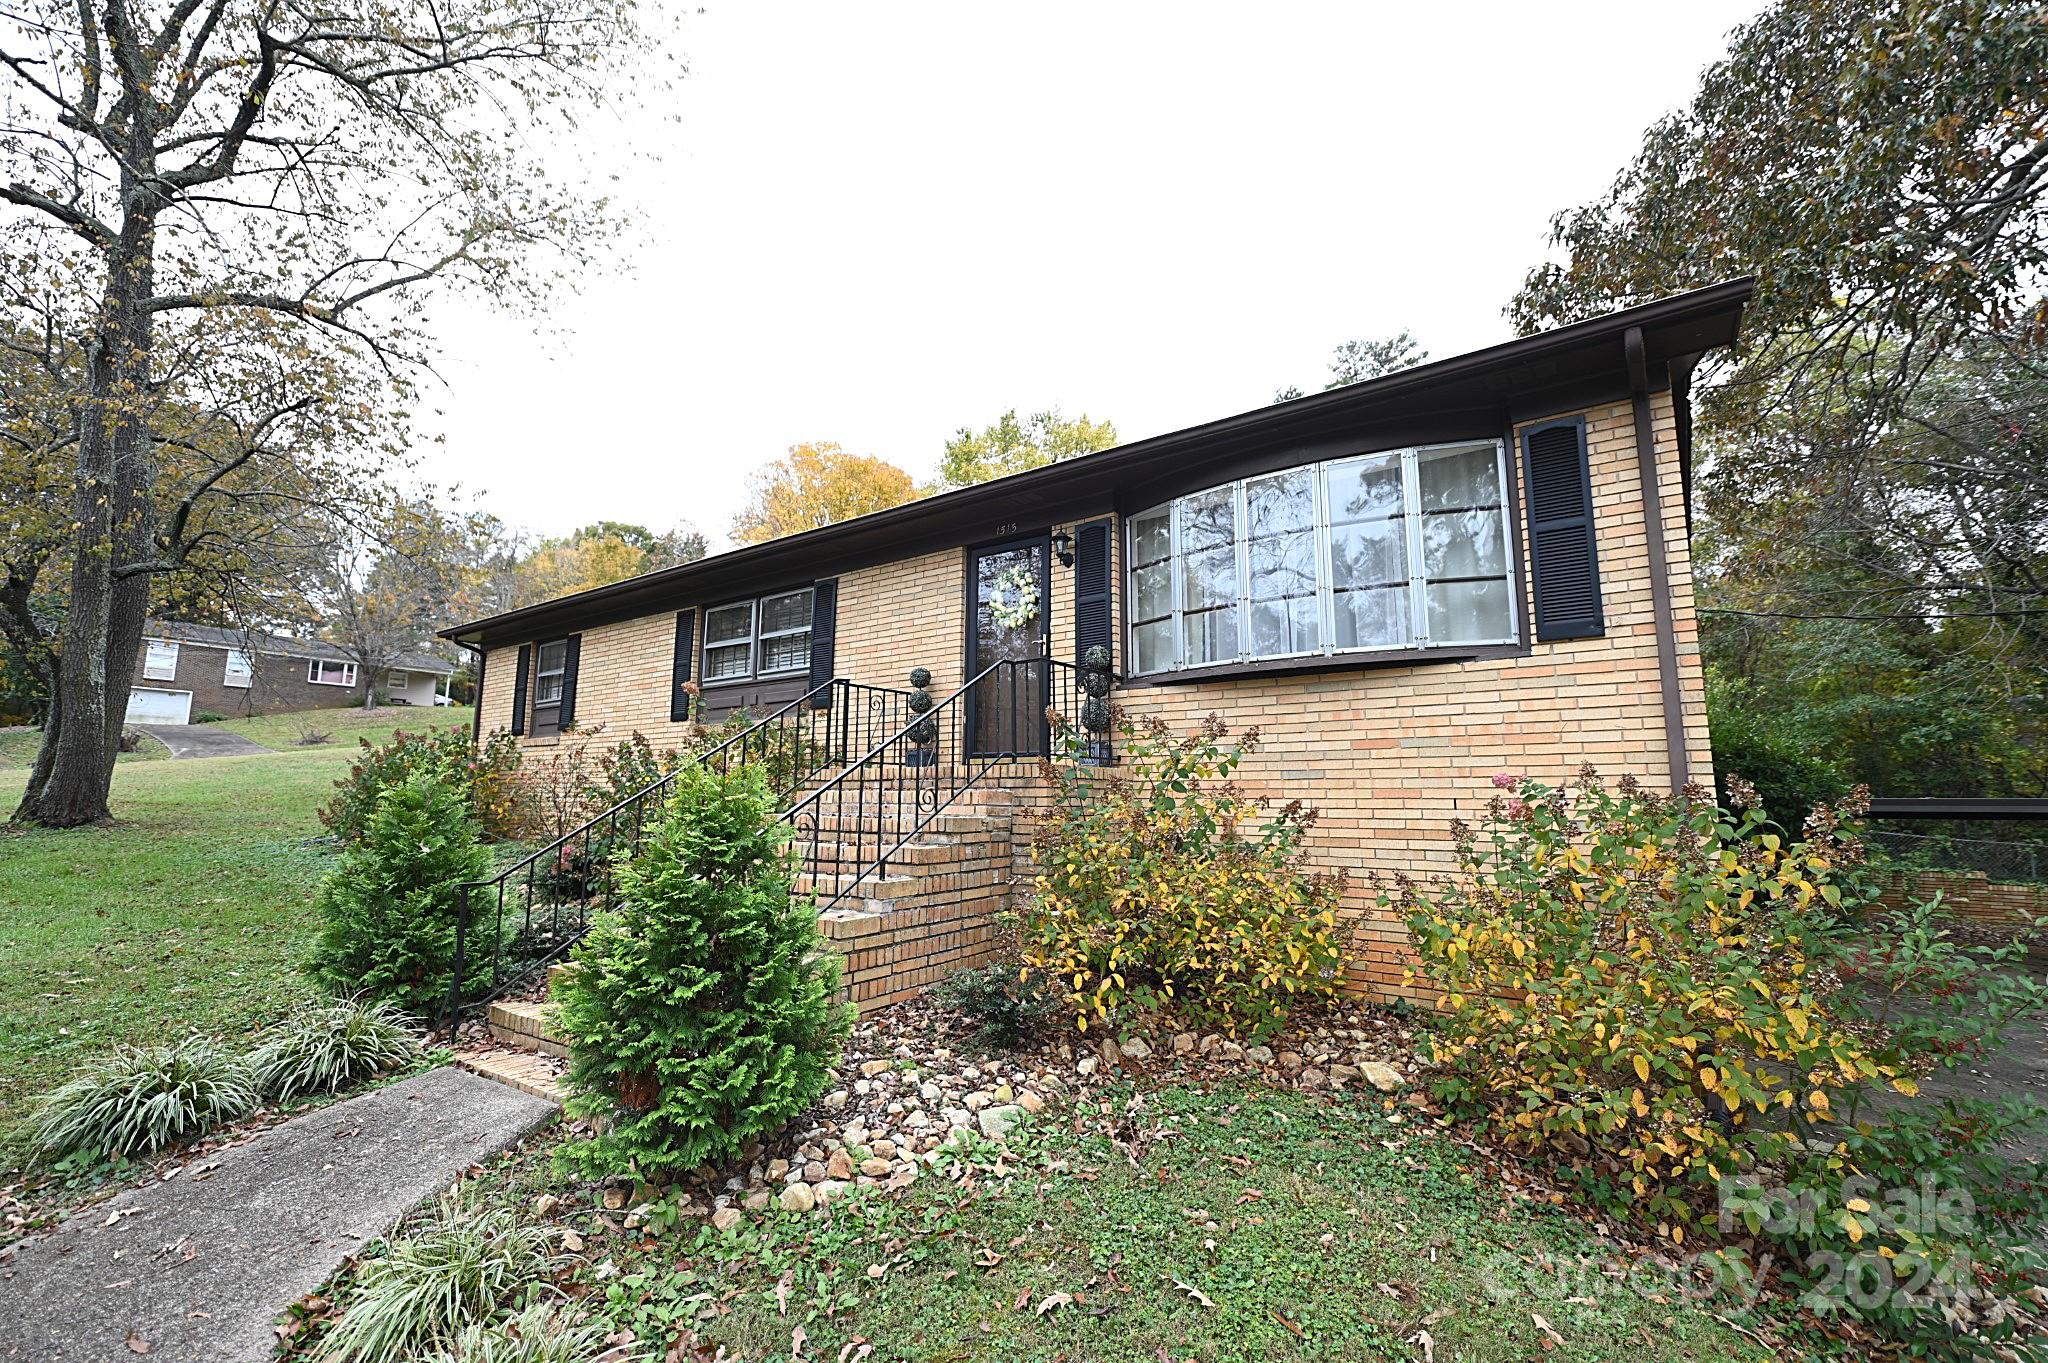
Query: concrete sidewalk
197	1269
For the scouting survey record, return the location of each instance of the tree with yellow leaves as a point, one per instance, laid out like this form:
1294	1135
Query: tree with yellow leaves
818	484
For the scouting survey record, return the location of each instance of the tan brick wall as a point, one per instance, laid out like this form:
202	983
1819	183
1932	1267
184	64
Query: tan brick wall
1390	755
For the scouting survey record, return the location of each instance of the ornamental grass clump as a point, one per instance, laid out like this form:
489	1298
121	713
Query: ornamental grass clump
704	1010
1161	883
140	1098
320	1050
543	1333
428	1287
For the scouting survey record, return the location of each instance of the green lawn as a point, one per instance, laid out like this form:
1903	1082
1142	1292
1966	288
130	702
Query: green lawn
1227	1224
344	727
186	914
18	749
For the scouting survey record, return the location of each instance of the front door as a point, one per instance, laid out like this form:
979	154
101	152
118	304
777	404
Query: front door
1006	710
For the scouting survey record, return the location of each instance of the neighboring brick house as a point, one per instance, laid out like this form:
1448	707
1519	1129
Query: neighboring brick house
1409	584
184	670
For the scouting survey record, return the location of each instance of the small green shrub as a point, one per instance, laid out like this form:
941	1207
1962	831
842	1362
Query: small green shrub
389	909
1162	883
542	1333
208	717
487	774
1006	1006
142	1097
429	1286
324	1049
703	1011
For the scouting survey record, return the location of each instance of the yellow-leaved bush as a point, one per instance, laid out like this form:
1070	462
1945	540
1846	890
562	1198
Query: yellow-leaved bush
1161	883
1627	984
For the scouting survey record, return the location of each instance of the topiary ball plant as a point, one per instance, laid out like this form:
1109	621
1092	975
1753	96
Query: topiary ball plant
142	1097
704	1011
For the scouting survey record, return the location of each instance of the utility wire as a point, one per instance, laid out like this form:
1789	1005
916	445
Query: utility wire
1877	619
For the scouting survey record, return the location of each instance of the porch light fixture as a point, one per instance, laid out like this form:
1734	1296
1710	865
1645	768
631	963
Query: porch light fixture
1063	548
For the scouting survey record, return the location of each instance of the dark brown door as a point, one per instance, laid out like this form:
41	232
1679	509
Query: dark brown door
1006	711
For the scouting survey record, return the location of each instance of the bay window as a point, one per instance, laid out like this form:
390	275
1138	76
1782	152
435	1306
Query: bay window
1397	549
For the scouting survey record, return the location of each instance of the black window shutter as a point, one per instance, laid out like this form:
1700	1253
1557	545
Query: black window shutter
572	654
824	633
1093	617
519	676
1564	562
679	671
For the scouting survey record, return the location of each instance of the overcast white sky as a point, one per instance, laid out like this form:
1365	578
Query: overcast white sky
876	223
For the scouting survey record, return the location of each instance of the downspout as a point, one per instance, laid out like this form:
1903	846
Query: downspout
1660	568
476	709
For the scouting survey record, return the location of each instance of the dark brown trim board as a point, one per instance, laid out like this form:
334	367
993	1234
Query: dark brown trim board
1660	568
1548	372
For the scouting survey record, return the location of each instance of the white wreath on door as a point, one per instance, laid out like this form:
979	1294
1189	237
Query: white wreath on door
1013	597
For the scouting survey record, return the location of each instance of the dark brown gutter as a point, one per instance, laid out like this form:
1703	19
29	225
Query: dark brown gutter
1660	569
1547	372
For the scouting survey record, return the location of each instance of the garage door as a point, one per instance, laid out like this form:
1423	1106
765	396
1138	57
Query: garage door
159	707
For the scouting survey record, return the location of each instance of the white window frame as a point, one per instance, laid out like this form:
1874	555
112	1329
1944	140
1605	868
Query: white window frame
243	677
150	650
541	674
757	638
762	636
753	609
1409	459
397	679
316	666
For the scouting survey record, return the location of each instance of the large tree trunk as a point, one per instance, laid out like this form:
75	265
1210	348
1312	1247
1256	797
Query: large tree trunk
109	502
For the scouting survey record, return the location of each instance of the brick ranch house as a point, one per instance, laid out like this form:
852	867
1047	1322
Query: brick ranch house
185	670
1409	584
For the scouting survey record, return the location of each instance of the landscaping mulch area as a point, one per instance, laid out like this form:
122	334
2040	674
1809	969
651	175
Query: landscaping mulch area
1185	1196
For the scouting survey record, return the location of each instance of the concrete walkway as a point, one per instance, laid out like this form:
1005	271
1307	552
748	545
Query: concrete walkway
202	740
197	1269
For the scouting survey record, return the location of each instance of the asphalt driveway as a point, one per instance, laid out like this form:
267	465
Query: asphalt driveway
201	740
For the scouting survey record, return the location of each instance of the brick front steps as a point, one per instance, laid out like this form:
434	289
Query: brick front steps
934	913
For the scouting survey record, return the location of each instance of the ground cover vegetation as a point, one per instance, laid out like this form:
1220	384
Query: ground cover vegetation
344	729
1193	1219
1696	1027
187	915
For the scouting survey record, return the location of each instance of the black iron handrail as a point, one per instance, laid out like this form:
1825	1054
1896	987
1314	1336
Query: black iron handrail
522	918
847	829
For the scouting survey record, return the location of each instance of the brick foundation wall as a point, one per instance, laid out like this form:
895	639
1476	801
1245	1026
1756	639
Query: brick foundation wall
1969	895
1390	755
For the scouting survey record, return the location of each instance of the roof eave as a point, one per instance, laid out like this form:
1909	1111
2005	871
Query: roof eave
1699	320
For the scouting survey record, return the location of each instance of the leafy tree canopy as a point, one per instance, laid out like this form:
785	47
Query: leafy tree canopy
1357	361
1012	446
818	484
1872	546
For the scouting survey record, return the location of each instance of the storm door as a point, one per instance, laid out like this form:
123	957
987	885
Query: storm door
1010	606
